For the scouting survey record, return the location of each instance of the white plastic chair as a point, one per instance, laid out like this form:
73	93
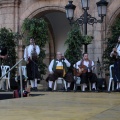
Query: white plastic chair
4	70
111	78
24	72
60	81
78	80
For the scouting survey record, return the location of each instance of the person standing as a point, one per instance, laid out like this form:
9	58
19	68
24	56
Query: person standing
3	56
85	69
59	68
115	54
31	53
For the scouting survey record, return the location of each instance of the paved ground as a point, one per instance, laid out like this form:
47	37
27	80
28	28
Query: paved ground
62	106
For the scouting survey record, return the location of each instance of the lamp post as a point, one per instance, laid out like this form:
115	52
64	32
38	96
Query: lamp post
86	18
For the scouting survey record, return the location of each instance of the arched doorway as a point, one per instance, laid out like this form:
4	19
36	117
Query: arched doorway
58	29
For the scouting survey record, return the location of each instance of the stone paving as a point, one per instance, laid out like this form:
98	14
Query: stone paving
62	106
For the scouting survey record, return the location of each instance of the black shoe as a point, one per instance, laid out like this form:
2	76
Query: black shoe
93	90
68	89
49	89
35	88
31	89
116	90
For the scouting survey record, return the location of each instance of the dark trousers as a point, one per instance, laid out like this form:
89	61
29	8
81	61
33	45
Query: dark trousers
86	77
32	70
59	73
116	71
0	71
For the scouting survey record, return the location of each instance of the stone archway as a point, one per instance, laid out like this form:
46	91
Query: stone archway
49	13
39	7
113	13
41	12
45	12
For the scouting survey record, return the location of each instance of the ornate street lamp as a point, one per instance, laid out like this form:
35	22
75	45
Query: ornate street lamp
70	10
85	4
86	18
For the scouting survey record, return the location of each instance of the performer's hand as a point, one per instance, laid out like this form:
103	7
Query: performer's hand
5	57
114	50
63	58
80	70
28	60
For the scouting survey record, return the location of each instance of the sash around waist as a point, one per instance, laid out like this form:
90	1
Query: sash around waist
59	67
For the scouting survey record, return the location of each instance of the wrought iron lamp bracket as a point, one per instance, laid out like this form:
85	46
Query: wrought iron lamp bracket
90	20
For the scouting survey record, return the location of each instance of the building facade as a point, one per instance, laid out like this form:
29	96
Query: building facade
13	13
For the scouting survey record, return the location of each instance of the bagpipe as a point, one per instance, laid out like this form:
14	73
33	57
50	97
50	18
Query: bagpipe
34	55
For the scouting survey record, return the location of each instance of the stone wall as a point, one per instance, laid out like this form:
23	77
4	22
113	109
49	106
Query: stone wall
13	12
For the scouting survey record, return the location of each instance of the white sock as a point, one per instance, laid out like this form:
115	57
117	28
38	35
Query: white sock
93	86
32	83
68	85
35	82
84	86
117	85
50	84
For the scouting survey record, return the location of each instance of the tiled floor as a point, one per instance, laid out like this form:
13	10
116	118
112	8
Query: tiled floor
62	106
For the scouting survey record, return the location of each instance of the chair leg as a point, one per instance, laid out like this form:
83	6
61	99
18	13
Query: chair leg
8	84
74	87
2	81
89	86
65	84
112	85
55	85
110	80
0	84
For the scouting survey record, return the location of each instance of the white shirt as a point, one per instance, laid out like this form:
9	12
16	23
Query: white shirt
86	63
59	63
118	50
28	50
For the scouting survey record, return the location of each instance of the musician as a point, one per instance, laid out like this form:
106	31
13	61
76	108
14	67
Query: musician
115	54
31	53
3	56
85	68
59	68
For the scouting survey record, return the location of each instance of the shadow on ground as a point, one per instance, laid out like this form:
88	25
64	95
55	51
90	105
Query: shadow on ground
9	95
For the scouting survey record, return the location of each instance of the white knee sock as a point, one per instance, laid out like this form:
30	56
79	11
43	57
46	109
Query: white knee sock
32	83
84	86
50	84
35	82
94	86
68	85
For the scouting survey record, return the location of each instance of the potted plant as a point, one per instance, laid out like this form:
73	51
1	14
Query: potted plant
87	39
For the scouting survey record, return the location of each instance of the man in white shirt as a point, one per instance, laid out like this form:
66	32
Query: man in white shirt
84	71
115	54
31	53
58	68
